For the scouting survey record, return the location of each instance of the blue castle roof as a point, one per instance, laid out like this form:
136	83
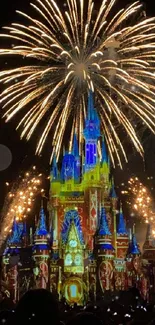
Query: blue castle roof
134	249
121	230
42	229
104	228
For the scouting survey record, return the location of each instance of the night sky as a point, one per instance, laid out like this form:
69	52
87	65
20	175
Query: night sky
23	154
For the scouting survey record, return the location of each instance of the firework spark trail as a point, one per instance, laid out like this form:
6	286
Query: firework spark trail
74	53
19	201
141	201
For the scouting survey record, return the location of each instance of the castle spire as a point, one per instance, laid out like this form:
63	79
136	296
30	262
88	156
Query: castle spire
75	150
121	226
15	237
91	134
134	249
104	228
104	152
112	191
55	174
42	229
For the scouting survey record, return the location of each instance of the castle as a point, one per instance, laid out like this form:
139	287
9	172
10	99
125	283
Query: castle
84	248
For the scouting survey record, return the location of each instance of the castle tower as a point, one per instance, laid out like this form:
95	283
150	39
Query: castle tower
122	237
105	254
41	253
55	188
91	177
73	256
133	262
11	259
83	252
122	247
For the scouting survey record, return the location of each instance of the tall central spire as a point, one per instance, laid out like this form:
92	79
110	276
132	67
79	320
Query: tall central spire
91	134
91	115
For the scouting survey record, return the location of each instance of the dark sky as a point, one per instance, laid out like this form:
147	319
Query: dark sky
23	153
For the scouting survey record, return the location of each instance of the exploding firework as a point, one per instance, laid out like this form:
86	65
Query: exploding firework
19	201
141	201
73	52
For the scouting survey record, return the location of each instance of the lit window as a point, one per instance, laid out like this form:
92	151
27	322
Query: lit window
73	289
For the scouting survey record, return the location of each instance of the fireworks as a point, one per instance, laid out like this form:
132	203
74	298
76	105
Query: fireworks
141	199
19	201
73	52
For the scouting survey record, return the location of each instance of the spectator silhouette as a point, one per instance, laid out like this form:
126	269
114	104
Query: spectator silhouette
85	318
36	307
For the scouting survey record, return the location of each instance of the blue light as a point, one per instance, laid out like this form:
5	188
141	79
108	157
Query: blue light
73	288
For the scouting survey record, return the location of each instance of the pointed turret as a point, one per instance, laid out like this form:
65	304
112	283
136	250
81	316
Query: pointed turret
42	229
121	230
104	236
104	228
92	123
113	197
15	236
67	170
104	153
122	239
113	194
134	249
54	170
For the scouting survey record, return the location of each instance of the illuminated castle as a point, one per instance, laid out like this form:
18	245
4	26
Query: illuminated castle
83	249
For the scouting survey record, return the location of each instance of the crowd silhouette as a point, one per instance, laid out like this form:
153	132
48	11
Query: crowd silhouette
42	307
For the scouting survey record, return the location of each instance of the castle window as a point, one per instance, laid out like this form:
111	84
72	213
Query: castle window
68	260
73	289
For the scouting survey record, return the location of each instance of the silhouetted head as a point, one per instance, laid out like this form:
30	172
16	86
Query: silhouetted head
37	306
85	318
